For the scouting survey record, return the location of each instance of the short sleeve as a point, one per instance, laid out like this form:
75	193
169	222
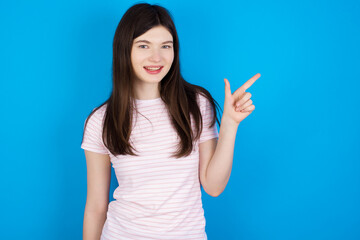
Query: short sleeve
92	139
207	115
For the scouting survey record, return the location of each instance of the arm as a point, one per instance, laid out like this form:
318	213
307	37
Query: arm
97	200
216	158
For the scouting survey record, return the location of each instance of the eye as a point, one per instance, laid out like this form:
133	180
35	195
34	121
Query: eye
166	46
142	46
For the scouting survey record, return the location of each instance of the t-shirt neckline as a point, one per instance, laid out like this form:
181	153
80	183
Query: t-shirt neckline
148	101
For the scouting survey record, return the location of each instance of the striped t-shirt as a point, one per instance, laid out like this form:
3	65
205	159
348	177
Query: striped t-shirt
158	197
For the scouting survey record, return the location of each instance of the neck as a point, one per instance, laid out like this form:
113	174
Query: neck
146	91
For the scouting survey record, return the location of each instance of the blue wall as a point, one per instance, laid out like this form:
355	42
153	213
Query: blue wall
296	171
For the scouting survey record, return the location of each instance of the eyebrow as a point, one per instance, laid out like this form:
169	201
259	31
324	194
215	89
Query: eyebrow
146	41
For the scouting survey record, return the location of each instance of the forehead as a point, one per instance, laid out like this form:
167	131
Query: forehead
156	34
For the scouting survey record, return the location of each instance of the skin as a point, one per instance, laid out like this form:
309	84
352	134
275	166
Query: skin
154	47
216	156
238	105
97	197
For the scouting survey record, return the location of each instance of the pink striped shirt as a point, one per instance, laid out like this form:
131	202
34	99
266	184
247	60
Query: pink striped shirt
158	197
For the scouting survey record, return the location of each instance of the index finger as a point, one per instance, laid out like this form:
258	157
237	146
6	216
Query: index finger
247	84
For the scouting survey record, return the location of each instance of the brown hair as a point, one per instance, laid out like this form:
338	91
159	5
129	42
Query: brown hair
178	95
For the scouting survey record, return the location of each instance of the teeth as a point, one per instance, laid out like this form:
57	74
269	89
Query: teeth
152	69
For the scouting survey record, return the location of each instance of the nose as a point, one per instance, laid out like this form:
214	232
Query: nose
155	55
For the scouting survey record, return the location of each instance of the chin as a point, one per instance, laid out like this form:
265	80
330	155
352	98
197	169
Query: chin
153	80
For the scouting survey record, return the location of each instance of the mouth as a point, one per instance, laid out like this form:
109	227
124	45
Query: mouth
153	69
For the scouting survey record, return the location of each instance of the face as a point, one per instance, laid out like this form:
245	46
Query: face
152	55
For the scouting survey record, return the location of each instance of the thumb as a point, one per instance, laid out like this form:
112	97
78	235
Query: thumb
227	88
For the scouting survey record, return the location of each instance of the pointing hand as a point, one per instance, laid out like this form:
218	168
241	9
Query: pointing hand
238	106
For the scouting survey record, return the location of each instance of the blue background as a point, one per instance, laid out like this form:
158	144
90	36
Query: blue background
296	163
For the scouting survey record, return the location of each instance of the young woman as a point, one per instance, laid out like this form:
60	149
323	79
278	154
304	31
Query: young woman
158	131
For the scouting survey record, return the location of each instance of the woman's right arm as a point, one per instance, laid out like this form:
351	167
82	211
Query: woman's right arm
97	200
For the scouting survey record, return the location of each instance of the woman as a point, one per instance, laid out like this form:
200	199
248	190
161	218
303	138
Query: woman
159	133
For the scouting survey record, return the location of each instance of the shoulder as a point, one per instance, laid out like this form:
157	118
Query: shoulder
202	100
99	111
96	117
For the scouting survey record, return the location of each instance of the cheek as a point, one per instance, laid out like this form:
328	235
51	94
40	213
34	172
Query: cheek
135	61
170	58
136	58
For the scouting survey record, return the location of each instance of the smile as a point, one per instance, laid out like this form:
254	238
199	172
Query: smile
153	69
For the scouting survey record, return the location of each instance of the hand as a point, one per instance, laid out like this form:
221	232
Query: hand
238	106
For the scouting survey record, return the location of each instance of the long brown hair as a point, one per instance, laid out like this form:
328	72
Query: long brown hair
178	94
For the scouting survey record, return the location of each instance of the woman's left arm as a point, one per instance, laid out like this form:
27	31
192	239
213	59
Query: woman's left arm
216	157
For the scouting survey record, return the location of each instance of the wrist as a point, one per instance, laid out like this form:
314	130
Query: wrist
229	123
